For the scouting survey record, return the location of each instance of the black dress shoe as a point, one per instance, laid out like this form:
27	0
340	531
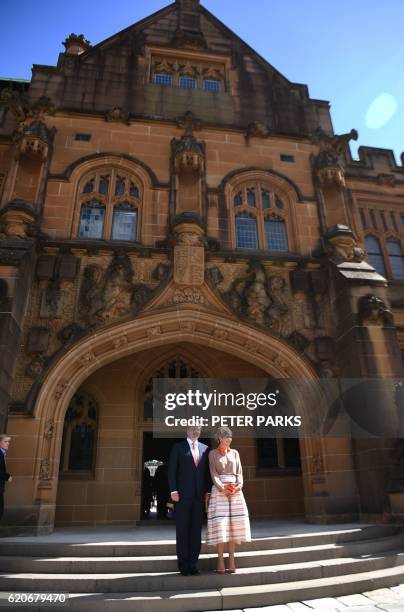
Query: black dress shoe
184	572
194	571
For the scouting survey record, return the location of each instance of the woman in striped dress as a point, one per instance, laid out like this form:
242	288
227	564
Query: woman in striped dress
228	520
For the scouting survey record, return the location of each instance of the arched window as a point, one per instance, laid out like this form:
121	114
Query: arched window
396	257
375	256
260	218
109	206
79	437
246	232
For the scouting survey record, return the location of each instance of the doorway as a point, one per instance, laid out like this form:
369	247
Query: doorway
155	490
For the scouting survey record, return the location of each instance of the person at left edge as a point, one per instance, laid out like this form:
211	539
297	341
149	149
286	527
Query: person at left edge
4	475
190	483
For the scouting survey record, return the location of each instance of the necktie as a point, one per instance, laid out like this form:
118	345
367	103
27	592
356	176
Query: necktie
195	453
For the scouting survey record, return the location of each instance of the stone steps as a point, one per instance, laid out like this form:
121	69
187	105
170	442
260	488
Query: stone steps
168	563
124	575
230	597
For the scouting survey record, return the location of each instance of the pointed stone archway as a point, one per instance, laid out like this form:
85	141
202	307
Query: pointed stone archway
149	330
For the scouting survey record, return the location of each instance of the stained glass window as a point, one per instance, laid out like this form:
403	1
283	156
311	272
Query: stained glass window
92	220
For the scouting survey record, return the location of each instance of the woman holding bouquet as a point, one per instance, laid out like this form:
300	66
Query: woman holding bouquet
228	520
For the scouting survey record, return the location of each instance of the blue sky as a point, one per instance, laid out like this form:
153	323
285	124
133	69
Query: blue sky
349	52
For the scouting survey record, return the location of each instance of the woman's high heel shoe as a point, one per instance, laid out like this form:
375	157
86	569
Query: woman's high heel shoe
220	571
231	570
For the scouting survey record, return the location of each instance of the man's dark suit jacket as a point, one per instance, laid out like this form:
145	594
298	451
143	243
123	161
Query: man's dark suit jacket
4	476
184	476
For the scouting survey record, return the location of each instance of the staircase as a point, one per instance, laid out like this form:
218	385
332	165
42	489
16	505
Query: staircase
306	562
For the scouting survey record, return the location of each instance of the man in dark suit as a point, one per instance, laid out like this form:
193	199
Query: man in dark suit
190	485
4	475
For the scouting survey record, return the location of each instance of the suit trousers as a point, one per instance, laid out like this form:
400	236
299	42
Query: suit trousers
188	521
1	503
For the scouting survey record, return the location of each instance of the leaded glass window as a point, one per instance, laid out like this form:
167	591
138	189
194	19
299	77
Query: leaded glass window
124	222
79	436
396	257
375	256
246	232
275	234
91	219
162	78
187	82
112	209
212	85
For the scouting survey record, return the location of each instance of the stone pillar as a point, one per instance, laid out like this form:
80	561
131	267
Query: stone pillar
366	348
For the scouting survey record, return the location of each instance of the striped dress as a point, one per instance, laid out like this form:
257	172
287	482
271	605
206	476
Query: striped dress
228	519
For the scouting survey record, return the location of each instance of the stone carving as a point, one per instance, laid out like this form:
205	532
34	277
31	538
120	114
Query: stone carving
189	265
110	294
327	164
120	341
187	326
340	245
299	341
257	129
44	470
372	311
33	139
251	346
38	340
215	275
49	429
188	122
36	367
386	179
52	302
87	358
70	333
220	334
154	331
21	107
76	44
18	219
187	153
190	295
262	299
117	114
60	389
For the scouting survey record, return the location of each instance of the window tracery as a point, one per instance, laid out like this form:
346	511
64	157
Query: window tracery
384	240
109	203
260	218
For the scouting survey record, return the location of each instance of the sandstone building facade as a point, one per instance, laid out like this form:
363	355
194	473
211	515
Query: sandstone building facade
172	205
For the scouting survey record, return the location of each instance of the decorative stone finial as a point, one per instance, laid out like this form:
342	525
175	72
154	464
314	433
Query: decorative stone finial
76	44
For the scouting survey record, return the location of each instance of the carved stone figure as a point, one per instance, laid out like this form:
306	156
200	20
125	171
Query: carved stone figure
110	294
256	129
117	114
341	245
261	299
327	163
36	367
372	311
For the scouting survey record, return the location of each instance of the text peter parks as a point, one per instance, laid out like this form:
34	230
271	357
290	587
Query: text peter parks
278	407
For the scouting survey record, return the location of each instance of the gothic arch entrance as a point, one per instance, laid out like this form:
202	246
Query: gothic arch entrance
155	330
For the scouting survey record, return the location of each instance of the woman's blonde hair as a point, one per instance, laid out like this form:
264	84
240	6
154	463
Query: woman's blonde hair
223	432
